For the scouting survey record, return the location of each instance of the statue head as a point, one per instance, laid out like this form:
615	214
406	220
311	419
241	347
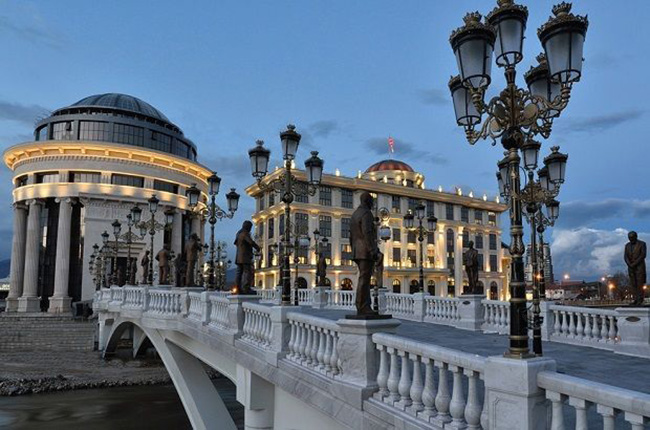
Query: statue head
632	236
146	252
366	200
247	226
470	245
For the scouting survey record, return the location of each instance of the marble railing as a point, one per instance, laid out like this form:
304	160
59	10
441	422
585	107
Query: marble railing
268	295
401	306
105	294
341	299
135	297
257	324
195	307
577	325
581	395
218	311
413	378
313	343
496	316
117	294
164	302
441	310
305	295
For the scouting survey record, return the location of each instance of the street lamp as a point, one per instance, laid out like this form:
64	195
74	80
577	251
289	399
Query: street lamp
117	228
288	186
421	230
516	115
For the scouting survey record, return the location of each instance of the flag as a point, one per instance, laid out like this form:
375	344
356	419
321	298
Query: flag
391	145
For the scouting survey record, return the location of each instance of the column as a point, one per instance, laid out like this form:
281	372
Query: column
60	302
177	233
458	261
29	301
17	257
196	225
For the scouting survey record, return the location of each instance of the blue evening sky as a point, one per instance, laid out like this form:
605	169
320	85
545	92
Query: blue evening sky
348	74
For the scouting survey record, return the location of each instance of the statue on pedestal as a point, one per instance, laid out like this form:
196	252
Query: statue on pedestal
244	259
192	249
145	267
163	257
365	253
321	270
470	261
635	253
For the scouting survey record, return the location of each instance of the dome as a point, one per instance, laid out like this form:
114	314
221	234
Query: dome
123	102
389	165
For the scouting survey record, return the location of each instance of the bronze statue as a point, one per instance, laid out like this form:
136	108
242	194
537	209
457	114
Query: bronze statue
192	249
179	268
244	258
163	258
321	270
365	253
145	267
470	261
133	270
635	252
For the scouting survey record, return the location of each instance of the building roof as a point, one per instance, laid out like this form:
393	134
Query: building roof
123	102
389	164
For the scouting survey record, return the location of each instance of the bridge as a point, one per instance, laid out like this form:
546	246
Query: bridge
438	364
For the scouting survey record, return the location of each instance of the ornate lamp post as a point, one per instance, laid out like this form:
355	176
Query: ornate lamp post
288	186
421	230
300	241
151	226
117	229
383	230
515	115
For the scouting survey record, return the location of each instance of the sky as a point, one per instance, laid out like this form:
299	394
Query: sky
348	74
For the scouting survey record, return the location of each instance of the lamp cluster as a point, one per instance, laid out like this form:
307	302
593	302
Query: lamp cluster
421	230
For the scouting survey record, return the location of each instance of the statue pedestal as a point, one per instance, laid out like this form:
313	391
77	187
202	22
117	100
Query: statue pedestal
634	331
470	309
320	297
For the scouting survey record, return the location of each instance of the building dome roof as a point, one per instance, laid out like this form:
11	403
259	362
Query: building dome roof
123	102
389	165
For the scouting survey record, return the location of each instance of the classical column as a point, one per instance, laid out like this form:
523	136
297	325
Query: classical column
60	302
458	261
17	257
177	233
29	301
196	225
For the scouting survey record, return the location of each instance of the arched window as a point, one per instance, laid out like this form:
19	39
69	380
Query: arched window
414	286
346	284
494	291
431	287
302	282
397	286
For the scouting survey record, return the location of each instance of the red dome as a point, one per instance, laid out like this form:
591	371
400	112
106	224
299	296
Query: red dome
389	165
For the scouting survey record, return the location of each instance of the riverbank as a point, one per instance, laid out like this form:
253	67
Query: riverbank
31	372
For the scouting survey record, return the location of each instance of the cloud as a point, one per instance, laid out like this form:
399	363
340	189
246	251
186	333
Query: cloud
434	96
379	145
599	123
26	114
589	253
583	213
35	32
323	128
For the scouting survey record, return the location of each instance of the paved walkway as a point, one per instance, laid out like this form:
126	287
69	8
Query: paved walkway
580	361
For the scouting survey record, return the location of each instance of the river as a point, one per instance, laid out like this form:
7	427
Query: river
124	408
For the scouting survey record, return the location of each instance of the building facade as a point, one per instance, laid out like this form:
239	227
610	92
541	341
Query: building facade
88	165
398	189
549	276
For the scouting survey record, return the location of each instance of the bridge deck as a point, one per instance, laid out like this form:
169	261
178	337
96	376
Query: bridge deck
580	361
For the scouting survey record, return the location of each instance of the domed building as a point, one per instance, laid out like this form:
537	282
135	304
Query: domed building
89	164
398	189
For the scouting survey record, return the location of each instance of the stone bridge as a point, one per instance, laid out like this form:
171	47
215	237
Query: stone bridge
307	367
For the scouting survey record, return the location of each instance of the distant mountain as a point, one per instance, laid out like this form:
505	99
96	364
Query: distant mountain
4	267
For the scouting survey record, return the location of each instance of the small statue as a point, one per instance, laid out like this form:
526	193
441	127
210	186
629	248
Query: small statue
365	253
470	261
192	249
144	263
321	270
133	269
163	257
635	253
244	258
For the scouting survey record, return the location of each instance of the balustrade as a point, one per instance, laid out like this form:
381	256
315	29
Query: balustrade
496	316
195	311
441	310
164	302
578	325
401	306
134	297
313	343
341	299
257	324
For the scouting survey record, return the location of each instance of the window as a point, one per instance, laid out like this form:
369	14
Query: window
346	198
260	231
41	133
431	255
411	237
465	239
449	211
302	197
397	286
397	235
480	262
129	134
494	265
346	255
302	223
396	204
271	228
492	218
303	254
62	130
260	201
271	256
165	186
325	225
271	198
493	241
464	214
430	208
21	181
93	177
131	181
397	256
326	248
411	256
47	178
94	130
431	238
161	142
345	228
450	249
431	287
325	196
478	216
412	204
478	241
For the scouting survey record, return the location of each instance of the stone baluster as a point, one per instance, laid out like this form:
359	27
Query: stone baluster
556	324
382	374
429	392
334	360
587	329
603	328
393	377
404	386
572	324
328	351
557	406
580	406
417	386
580	330
612	328
308	346
472	408
314	346
609	416
637	422
442	398
292	340
303	341
565	324
322	344
457	403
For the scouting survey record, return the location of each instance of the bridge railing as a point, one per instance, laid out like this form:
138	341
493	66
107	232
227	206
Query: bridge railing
218	310
441	310
135	297
164	302
257	328
195	306
402	306
496	316
268	295
313	343
584	326
341	299
427	382
580	395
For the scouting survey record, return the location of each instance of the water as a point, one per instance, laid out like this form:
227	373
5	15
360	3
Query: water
124	408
